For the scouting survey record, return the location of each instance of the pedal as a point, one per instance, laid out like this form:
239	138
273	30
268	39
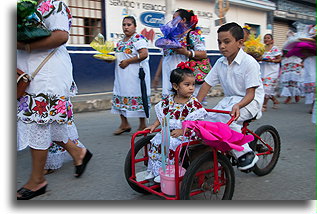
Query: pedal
261	149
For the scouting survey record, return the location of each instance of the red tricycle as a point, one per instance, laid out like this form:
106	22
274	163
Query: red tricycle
209	173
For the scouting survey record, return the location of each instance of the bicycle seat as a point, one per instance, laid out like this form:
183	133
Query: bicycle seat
250	120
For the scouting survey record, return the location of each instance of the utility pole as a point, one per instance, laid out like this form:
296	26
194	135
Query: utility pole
170	7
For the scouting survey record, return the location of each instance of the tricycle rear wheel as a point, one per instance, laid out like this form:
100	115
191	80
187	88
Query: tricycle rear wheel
140	147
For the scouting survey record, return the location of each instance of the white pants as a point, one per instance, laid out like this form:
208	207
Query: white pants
235	125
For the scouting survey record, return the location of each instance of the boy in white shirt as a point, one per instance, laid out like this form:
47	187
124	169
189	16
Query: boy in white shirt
239	75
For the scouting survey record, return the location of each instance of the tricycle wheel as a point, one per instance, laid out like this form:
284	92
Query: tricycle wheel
141	147
199	183
266	162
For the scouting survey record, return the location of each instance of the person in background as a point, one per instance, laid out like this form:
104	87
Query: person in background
246	32
309	80
172	57
270	68
131	54
291	73
44	113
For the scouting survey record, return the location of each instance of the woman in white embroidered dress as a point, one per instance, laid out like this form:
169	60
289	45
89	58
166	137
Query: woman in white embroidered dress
291	73
270	68
131	53
44	113
172	57
182	106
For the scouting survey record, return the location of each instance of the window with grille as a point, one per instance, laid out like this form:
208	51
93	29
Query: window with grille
87	20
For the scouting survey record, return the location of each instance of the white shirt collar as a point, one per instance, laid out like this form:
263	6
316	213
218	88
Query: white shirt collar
237	59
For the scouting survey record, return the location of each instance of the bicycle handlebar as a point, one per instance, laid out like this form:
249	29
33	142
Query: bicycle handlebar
222	112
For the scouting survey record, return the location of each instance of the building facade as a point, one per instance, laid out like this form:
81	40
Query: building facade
105	16
289	12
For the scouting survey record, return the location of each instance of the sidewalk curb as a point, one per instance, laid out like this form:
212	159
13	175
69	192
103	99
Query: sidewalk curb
102	101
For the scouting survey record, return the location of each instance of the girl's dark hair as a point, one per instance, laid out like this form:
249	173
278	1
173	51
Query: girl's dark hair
131	18
178	75
235	30
268	34
186	14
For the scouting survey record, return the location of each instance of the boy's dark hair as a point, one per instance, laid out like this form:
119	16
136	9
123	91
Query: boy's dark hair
235	30
132	19
185	14
177	76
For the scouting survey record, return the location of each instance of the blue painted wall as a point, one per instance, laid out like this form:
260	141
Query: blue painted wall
94	76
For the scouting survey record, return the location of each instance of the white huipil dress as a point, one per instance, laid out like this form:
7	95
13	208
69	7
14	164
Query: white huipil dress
270	71
127	99
309	79
191	110
44	113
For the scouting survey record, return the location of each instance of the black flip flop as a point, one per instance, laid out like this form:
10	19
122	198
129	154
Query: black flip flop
79	170
27	194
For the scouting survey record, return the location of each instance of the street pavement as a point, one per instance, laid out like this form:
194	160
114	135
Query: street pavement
293	178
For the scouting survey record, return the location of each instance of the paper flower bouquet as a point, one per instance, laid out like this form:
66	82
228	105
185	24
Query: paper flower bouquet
104	47
170	31
303	43
254	47
29	26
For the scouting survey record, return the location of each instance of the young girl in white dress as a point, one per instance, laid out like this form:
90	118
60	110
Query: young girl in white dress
182	106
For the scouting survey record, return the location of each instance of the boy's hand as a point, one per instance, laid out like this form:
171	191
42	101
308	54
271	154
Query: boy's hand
235	111
176	133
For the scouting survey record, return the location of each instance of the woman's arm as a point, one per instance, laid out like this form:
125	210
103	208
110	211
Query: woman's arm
56	39
142	55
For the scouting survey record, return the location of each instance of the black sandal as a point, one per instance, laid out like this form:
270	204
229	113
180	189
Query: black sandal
27	194
79	170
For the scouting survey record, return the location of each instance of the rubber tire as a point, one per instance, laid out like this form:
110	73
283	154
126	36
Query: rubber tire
192	169
277	148
127	166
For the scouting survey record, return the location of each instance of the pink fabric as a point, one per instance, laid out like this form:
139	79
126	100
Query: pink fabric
218	135
297	48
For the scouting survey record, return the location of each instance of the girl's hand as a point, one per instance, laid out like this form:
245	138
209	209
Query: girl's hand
176	133
151	128
124	63
235	111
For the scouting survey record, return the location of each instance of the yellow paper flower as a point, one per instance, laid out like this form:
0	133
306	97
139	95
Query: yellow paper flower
254	47
104	47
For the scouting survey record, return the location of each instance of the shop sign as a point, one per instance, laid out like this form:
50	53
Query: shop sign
152	19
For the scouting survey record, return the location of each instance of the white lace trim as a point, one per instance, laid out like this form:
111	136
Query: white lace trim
40	136
56	160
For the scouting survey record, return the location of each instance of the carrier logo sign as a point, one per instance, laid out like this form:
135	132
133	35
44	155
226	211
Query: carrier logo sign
152	19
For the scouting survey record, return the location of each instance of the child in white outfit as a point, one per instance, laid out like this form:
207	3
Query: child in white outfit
182	106
239	75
